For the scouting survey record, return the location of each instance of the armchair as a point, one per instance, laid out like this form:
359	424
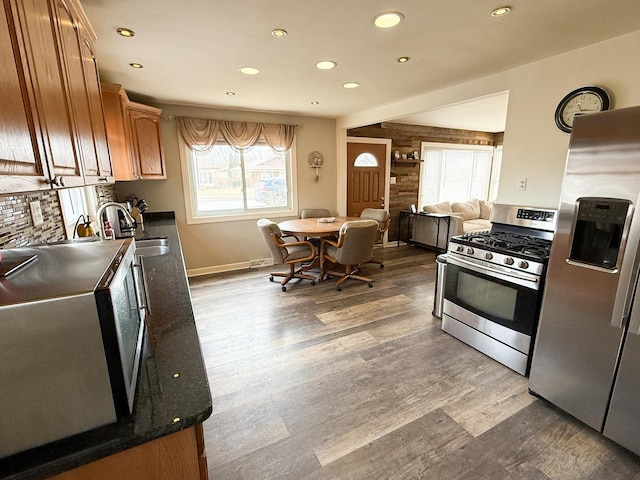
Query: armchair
289	253
384	221
314	213
353	247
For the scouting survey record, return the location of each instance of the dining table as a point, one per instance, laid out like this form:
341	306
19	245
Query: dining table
313	227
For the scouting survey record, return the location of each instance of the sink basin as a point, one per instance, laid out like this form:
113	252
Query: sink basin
152	247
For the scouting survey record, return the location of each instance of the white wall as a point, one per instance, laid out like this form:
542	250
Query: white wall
226	245
534	148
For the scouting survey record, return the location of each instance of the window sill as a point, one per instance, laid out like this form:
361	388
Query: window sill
242	217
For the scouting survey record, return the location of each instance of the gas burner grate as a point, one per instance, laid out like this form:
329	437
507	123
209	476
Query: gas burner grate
508	242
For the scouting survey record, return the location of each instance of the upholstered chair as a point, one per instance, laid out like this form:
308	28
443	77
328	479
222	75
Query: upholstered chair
384	221
314	213
353	247
292	253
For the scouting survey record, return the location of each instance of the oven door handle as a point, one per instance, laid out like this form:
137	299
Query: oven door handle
143	282
524	279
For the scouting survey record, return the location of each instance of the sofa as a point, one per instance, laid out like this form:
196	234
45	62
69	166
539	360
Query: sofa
464	217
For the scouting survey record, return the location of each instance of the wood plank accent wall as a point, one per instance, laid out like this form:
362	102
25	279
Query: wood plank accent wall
406	139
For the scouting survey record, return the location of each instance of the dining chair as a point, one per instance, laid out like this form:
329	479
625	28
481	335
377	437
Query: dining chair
292	253
353	247
383	218
314	213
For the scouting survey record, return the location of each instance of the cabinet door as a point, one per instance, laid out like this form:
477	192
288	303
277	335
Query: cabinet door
90	144
117	124
105	172
146	141
21	164
41	68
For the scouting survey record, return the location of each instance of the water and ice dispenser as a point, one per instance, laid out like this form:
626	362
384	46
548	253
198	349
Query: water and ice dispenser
598	231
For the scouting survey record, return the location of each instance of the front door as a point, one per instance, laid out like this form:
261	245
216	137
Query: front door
366	174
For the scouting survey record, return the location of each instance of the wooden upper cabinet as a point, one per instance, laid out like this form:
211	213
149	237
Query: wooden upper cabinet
117	120
50	116
47	109
133	132
80	73
145	137
21	155
105	171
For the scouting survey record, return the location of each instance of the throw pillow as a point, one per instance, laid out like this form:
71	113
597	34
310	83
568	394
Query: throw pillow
470	210
443	207
485	210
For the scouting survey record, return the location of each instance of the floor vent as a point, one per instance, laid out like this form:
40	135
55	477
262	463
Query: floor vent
261	262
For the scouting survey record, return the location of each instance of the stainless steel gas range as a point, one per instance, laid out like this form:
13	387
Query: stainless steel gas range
494	283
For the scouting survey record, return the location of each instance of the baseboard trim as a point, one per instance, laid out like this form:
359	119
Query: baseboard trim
249	264
229	267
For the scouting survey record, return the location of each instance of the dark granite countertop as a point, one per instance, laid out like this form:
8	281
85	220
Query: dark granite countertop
173	391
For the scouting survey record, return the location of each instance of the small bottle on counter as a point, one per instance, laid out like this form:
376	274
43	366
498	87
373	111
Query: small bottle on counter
108	231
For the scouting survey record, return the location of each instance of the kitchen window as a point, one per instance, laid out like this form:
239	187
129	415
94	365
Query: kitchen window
75	202
457	173
223	181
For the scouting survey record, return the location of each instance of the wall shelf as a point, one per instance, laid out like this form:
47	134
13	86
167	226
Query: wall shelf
407	160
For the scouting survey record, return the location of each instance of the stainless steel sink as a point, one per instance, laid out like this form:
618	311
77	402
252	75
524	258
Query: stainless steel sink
152	247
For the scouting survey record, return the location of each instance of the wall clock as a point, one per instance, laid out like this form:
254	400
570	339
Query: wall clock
581	101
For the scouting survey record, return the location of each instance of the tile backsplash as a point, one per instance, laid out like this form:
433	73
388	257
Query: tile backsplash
16	224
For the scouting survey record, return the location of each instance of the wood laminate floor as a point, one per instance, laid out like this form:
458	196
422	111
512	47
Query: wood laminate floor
363	384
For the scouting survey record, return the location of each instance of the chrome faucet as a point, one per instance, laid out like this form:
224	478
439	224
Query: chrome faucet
128	218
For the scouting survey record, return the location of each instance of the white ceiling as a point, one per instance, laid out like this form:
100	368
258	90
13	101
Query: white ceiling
191	50
486	114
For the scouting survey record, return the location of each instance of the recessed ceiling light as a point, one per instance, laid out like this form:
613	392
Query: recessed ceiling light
231	94
403	59
315	102
135	65
250	70
326	65
500	11
350	85
126	32
279	33
388	19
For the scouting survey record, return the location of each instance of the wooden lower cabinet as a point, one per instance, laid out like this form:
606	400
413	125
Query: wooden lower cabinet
180	455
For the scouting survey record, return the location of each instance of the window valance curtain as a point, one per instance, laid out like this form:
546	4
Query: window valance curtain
201	134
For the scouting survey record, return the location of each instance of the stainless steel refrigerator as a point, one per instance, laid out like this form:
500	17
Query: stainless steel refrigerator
586	357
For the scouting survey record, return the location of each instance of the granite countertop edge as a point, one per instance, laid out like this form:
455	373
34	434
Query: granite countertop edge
173	390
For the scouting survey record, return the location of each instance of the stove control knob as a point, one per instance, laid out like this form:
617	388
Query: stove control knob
508	261
488	255
459	248
470	251
523	264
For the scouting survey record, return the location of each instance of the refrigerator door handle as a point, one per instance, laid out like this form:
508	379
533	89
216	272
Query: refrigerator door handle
628	271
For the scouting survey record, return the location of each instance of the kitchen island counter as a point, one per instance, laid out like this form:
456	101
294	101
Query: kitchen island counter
173	391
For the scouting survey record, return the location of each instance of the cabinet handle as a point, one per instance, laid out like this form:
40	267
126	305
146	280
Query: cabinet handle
57	181
103	179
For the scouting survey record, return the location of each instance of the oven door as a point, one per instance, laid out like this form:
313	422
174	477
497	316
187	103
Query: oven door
498	294
121	320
